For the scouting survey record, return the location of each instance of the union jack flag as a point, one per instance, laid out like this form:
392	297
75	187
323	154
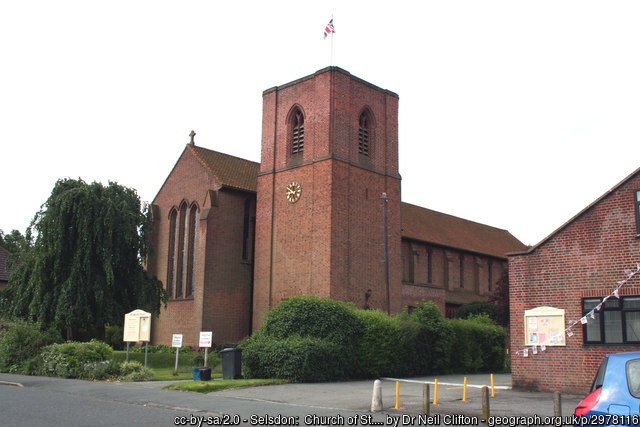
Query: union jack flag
329	29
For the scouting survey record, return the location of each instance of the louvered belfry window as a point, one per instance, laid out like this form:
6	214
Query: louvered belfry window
298	133
363	134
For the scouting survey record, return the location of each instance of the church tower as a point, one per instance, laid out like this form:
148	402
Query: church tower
329	166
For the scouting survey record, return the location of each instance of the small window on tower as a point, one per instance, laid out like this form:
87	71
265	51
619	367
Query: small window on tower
297	145
363	134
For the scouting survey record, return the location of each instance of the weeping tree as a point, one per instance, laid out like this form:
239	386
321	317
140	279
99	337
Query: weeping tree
85	266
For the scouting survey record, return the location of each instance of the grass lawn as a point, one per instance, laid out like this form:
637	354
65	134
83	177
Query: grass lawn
219	385
163	364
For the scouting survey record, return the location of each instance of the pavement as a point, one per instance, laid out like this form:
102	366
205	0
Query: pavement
339	398
357	396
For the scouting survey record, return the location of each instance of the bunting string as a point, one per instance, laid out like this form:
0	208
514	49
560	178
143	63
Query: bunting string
584	319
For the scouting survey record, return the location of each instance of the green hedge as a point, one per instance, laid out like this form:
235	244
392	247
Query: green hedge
162	360
304	339
434	343
478	307
295	358
314	339
311	316
480	345
381	345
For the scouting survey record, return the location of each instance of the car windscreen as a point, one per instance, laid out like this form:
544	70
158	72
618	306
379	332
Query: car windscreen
633	377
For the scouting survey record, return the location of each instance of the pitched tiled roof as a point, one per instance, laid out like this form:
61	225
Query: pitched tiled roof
446	230
417	223
229	171
4	274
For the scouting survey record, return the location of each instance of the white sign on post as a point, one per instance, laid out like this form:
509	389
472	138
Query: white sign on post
177	340
137	326
205	339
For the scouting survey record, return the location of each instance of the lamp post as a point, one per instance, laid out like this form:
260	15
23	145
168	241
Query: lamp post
385	200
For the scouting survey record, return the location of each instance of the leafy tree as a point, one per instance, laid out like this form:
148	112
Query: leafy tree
85	267
478	307
14	242
501	297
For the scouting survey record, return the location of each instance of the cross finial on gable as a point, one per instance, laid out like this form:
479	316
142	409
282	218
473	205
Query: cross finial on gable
192	135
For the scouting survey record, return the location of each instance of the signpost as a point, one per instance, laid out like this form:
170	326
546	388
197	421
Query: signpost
177	343
137	328
205	341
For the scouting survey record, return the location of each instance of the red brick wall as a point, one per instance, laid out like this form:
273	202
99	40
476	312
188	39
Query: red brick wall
222	282
329	243
228	278
585	258
445	285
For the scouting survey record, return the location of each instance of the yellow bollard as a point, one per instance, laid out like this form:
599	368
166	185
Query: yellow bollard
397	395
435	393
464	390
493	391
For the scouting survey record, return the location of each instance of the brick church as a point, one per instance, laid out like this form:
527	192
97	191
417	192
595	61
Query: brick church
321	214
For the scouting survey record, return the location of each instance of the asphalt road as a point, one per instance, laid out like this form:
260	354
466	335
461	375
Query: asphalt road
56	401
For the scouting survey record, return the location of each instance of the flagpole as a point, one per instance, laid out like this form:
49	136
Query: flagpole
331	60
332	36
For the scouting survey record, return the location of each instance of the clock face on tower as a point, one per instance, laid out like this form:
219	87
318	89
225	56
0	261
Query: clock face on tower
294	190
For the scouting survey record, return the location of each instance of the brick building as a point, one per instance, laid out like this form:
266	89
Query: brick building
574	269
233	238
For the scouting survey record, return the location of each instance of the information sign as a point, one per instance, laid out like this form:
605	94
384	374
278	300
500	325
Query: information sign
205	339
137	326
177	340
544	326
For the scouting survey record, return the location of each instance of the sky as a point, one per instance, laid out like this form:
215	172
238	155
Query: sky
515	114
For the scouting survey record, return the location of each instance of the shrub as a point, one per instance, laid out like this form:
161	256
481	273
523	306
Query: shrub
381	345
22	341
113	336
294	358
478	307
135	371
99	371
69	359
480	345
311	316
158	349
433	343
321	318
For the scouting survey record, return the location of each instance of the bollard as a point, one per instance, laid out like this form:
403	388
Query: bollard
425	399
464	390
397	395
376	399
557	404
485	403
493	391
435	392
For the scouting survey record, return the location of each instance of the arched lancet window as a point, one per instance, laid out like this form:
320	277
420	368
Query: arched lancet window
171	261
191	257
364	128
297	126
180	270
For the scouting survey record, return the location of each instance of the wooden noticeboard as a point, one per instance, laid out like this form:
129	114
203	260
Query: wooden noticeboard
137	326
544	326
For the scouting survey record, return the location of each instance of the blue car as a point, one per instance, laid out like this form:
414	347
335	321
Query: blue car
615	393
